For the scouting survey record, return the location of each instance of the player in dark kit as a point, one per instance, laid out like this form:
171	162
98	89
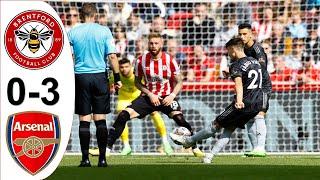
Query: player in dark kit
247	75
256	127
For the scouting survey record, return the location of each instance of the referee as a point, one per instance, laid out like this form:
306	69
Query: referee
92	45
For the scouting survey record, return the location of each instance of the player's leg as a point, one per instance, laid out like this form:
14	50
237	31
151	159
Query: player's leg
83	109
101	107
221	143
204	133
260	129
251	127
232	120
260	133
261	124
118	126
178	117
126	150
208	131
161	129
140	107
174	112
84	136
102	135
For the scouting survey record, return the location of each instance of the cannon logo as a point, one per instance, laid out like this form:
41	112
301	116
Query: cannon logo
33	139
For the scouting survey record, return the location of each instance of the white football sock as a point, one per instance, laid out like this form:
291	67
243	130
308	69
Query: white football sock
251	128
205	133
261	132
164	139
126	144
222	141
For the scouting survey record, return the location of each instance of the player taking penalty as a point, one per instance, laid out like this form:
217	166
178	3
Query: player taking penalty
246	73
126	95
162	82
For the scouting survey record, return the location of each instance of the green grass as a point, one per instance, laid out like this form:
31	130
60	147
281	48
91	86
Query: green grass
187	167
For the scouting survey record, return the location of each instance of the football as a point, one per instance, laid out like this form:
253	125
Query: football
181	131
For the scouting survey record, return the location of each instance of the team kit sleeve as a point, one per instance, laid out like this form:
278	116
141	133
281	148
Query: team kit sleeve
235	71
110	43
138	68
260	54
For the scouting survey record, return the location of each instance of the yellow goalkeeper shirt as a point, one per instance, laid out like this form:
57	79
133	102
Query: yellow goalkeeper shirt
128	91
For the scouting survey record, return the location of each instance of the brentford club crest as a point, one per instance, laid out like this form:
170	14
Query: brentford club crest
33	139
34	39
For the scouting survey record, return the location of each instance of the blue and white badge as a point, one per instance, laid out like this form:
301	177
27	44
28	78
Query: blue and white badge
37	90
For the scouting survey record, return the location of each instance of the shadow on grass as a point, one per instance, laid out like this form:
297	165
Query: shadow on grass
198	171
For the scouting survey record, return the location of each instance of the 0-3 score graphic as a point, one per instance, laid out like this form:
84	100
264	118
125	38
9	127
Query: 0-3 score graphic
22	91
33	40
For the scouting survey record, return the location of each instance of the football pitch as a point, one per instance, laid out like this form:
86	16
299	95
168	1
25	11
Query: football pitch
188	167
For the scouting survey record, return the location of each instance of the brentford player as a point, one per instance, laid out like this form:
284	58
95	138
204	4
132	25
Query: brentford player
162	82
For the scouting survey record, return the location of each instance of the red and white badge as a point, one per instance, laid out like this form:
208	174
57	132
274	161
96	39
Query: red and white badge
33	139
34	39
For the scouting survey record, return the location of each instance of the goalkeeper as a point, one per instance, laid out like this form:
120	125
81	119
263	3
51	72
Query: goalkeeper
127	94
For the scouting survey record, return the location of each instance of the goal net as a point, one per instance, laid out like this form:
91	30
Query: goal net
195	33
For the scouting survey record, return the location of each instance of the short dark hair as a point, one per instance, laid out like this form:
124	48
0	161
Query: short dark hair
124	61
88	10
244	26
235	42
154	35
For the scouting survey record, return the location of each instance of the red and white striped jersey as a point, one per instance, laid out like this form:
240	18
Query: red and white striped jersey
157	73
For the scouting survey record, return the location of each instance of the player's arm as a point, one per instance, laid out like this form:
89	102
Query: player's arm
69	34
115	67
236	75
111	84
239	93
261	56
178	83
153	98
110	48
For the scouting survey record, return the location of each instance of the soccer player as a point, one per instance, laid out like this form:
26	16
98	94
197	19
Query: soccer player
246	73
127	94
256	127
162	82
92	45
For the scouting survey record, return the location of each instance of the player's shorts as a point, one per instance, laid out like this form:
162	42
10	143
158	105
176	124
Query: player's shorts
143	106
92	94
232	117
265	102
122	104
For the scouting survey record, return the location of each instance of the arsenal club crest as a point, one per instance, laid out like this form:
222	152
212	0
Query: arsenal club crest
33	139
34	39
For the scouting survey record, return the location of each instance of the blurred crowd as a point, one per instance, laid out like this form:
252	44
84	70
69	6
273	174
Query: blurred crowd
195	33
